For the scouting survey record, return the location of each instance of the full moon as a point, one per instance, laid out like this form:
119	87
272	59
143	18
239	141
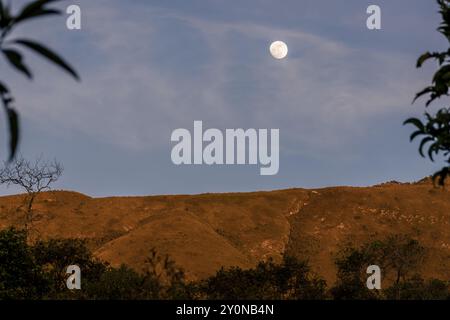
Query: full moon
278	50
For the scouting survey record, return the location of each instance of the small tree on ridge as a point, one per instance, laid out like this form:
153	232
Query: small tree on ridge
32	177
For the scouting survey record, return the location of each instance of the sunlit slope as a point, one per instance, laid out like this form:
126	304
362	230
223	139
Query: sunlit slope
204	232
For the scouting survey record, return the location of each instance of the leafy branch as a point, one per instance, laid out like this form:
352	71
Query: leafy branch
11	50
435	130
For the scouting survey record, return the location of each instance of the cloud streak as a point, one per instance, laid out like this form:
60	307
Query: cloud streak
147	70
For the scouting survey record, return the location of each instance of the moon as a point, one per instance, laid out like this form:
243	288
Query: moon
279	50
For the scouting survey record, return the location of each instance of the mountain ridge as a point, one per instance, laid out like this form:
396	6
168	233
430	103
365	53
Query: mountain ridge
207	231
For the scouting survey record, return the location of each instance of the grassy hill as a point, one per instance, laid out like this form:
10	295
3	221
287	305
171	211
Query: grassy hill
204	232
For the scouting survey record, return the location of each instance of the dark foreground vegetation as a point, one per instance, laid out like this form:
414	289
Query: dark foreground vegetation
38	271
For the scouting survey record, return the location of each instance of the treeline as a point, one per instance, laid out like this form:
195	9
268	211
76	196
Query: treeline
38	271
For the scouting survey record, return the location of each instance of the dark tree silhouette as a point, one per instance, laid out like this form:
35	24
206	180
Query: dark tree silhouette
10	49
398	256
33	177
435	130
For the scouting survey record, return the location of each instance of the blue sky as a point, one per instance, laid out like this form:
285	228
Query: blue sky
149	67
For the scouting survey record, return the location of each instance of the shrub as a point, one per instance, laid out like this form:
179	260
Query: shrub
122	283
398	256
20	276
351	266
38	271
291	279
417	288
55	255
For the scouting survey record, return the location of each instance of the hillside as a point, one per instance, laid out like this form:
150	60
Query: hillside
204	232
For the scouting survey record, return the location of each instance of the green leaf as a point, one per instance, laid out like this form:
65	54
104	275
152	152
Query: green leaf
440	73
3	88
424	57
36	8
50	55
13	120
415	134
415	122
422	144
16	60
433	149
5	15
424	91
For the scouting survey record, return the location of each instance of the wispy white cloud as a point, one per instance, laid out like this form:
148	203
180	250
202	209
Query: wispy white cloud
138	85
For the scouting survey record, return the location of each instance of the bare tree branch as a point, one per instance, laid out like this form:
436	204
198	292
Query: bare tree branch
33	177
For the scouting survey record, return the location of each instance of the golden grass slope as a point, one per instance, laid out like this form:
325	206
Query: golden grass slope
204	232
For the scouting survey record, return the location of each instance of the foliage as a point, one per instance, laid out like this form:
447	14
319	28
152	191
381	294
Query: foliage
268	281
398	256
38	271
402	255
162	273
417	288
121	284
124	283
20	276
351	266
55	255
11	50
435	130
